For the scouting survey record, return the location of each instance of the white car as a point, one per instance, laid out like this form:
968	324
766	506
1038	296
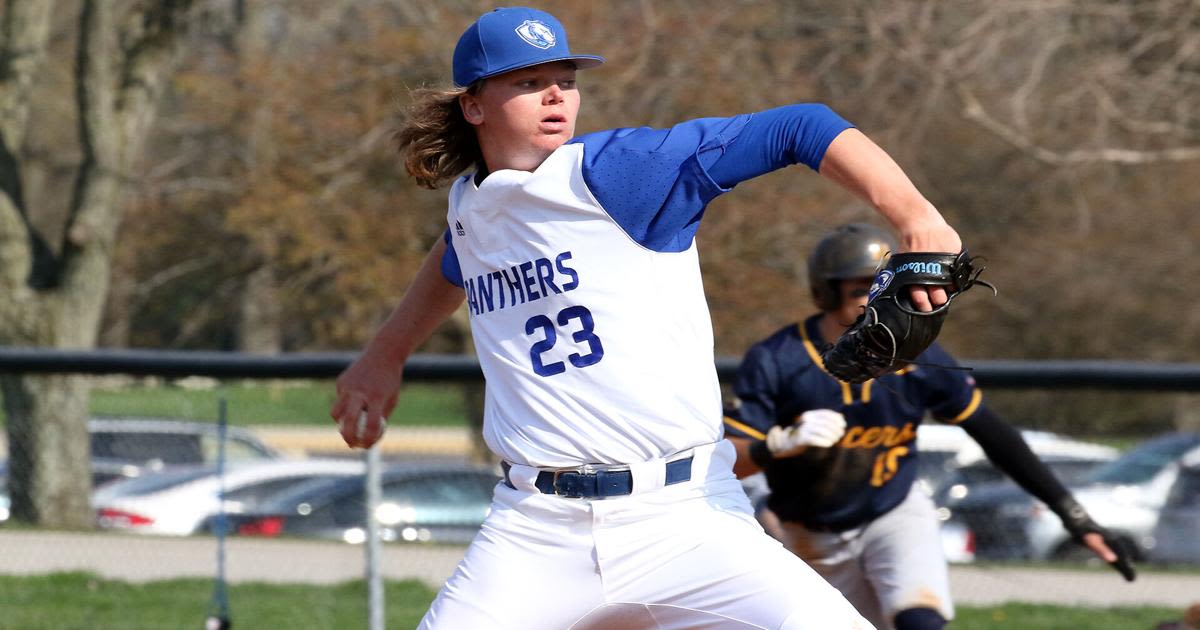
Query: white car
1124	495
948	454
958	542
946	448
1174	540
176	502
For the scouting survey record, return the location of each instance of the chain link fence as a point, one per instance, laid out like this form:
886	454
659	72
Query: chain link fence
277	539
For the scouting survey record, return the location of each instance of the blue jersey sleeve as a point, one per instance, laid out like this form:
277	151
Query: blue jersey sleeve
656	183
773	139
952	394
450	268
757	388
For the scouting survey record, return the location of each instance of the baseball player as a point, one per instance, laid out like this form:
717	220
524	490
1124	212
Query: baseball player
576	259
840	458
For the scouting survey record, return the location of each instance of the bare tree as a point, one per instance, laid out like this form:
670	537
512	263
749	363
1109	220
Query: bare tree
54	296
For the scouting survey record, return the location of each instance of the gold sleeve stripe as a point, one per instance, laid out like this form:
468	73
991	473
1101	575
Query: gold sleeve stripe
809	347
847	393
745	428
976	398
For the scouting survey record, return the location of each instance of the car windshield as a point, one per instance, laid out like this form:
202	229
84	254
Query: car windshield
1186	491
141	446
1073	471
1144	462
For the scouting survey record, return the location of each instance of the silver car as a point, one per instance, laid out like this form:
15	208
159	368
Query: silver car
1125	495
177	501
439	502
155	443
1175	539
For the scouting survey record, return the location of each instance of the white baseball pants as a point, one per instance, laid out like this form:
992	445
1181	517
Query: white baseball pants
684	556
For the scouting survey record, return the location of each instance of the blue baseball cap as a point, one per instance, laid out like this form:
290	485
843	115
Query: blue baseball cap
512	38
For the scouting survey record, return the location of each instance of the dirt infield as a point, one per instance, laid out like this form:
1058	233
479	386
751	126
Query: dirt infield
400	440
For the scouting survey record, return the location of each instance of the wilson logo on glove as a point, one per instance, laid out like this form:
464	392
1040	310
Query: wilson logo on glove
921	267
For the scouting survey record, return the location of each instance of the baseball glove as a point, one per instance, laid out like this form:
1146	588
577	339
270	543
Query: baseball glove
891	332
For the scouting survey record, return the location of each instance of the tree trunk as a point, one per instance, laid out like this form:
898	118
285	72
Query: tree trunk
259	322
125	54
50	475
1187	412
119	313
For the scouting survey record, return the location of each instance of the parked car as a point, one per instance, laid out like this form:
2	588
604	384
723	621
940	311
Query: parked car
1176	536
1070	461
102	473
1069	468
1125	495
958	542
946	450
938	446
123	448
177	502
105	471
153	443
420	503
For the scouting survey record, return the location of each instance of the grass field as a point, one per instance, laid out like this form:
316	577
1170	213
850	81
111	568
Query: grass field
275	402
78	601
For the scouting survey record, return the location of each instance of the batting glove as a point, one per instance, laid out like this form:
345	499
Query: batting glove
821	428
1079	523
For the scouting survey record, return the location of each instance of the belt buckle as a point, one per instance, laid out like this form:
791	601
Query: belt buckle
573	486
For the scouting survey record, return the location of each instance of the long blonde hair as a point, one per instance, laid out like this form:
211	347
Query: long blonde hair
436	141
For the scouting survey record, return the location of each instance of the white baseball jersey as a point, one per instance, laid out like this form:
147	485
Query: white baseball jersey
589	318
595	347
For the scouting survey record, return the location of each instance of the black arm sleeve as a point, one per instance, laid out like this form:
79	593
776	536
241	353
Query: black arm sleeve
1005	447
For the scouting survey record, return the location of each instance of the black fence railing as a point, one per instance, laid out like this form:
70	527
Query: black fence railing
1109	375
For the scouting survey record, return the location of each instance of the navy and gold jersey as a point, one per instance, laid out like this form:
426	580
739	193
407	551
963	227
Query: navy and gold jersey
871	470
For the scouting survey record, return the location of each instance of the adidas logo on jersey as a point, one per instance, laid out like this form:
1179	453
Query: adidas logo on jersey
458	228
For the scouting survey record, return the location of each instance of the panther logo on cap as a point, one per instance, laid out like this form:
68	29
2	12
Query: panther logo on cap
536	34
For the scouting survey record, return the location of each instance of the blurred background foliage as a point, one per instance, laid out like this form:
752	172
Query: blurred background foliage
1060	137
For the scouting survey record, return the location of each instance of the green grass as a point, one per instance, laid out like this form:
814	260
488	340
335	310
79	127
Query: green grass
275	402
79	601
1047	617
68	601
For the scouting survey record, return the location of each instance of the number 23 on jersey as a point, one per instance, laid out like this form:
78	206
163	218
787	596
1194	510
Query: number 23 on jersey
576	320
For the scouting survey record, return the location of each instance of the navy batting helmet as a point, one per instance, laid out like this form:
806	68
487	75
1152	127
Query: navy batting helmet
849	251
